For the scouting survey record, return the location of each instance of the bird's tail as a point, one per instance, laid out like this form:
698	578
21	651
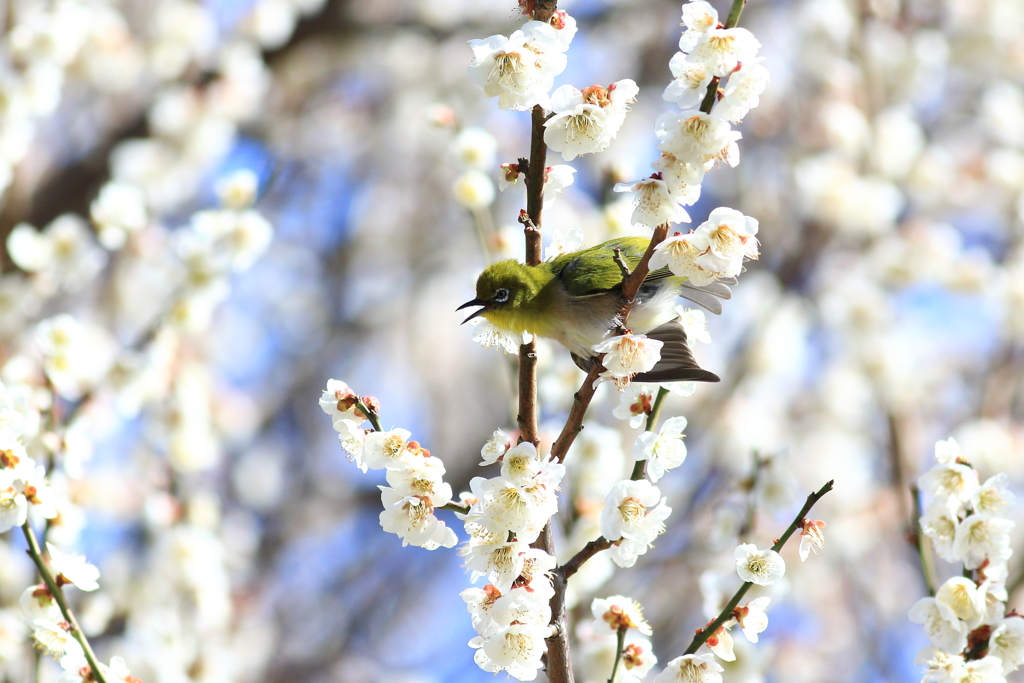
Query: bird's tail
677	363
709	296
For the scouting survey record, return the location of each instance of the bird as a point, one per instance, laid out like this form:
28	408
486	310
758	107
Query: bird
574	299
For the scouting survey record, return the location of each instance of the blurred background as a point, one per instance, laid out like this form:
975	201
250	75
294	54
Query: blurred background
237	543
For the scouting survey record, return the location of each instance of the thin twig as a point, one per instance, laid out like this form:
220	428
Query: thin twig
623	266
58	595
620	645
639	469
712	94
577	560
370	415
726	613
921	541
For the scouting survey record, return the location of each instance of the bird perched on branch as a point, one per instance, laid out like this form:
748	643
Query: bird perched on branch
574	299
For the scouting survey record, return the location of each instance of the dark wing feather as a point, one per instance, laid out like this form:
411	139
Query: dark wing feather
677	363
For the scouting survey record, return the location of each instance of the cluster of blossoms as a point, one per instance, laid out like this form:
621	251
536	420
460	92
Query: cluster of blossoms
26	496
415	477
507	513
972	636
693	140
616	615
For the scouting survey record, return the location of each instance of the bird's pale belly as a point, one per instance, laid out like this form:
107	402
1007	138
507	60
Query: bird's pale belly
578	323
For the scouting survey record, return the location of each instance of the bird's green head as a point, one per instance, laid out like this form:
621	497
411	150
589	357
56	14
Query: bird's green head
503	291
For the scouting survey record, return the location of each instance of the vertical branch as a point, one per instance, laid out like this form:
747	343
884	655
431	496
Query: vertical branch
527	417
58	595
558	664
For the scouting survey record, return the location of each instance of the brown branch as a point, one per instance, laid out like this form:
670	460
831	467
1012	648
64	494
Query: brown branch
726	613
623	266
50	580
577	560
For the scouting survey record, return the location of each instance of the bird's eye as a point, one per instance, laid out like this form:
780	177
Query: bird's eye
501	296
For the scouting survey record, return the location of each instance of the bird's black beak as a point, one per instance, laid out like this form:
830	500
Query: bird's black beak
475	302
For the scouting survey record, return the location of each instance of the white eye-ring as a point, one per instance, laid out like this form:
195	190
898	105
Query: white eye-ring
501	296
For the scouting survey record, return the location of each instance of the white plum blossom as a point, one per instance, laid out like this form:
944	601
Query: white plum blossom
952	482
37	602
656	203
56	639
633	516
412	519
523	466
586	121
690	84
473	189
475	148
1007	642
73	569
422	478
618	612
13	504
495	447
722	50
696	138
500	561
503	506
516	649
940	524
635	403
962	596
565	28
941	625
120	209
339	402
519	69
352	438
238	190
742	91
662	451
699	17
679	253
731	239
993	497
629	354
982	537
490	336
695	324
811	537
763	567
637	660
752	618
387	450
682	176
563	242
692	669
720	642
492	611
716	249
556	179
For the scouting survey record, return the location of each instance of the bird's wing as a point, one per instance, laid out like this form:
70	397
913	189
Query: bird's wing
677	363
594	270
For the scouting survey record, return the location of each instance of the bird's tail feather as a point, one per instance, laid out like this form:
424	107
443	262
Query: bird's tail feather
677	363
708	296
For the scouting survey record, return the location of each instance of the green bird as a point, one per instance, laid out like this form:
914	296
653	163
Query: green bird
574	299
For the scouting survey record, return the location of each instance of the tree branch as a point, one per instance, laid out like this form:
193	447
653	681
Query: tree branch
58	595
709	630
589	550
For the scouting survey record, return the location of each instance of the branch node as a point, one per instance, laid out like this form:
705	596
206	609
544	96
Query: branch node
623	266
